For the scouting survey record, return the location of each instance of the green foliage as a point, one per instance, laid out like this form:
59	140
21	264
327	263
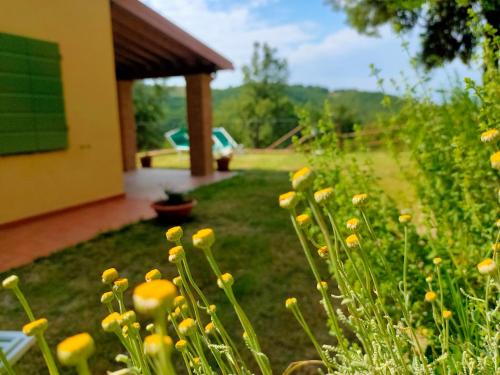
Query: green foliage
447	33
150	113
265	109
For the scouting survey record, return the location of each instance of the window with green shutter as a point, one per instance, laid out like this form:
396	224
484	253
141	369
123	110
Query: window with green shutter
31	96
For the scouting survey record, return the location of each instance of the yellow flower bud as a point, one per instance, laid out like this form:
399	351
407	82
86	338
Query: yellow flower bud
430	296
323	252
404	218
225	280
437	261
495	160
111	323
352	241
302	179
120	285
153	344
154	274
323	285
177	281
487	266
154	296
187	327
107	297
210	328
204	238
429	279
489	135
10	282
359	199
109	275
290	302
447	314
323	195
75	349
150	327
352	224
36	327
212	309
288	200
304	220
175	254
181	345
174	234
495	247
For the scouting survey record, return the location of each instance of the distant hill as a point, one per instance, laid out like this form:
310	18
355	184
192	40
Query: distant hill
364	105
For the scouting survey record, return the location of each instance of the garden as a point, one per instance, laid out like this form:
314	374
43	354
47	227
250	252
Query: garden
338	260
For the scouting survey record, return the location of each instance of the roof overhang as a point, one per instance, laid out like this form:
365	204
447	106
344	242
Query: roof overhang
147	45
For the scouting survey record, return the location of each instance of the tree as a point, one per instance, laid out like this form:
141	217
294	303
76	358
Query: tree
447	31
266	110
150	102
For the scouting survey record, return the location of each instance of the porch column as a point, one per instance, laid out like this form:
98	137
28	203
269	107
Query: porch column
127	124
199	118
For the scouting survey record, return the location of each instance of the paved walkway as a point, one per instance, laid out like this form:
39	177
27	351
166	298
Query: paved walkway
24	242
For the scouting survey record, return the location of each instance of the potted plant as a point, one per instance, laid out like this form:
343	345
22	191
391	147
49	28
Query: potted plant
223	159
146	160
176	207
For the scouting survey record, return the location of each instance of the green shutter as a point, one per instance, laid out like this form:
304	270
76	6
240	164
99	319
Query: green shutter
32	115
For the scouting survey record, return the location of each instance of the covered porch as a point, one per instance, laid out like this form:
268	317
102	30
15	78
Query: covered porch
146	45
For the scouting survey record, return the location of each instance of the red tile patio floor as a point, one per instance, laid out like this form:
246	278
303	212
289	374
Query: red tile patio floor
24	242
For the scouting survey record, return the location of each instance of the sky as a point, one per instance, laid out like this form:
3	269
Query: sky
319	45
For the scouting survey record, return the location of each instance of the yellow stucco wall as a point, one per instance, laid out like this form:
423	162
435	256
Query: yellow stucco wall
91	168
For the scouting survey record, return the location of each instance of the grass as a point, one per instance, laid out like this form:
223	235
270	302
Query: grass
255	242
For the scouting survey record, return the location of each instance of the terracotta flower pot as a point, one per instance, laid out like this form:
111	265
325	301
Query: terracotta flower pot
223	164
146	161
173	212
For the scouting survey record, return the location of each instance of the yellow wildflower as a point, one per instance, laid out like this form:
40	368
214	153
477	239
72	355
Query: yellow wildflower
204	238
497	223
352	223
429	279
187	326
153	344
495	160
323	195
36	327
179	301
359	199
290	302
155	296
430	296
111	323
127	318
154	274
109	275
322	285
181	345
174	234
487	266
225	280
447	314
404	218
212	309
489	135
210	328
175	254
177	281
302	179
107	297
10	282
323	252
120	285
437	261
304	220
288	200
75	349
495	247
352	241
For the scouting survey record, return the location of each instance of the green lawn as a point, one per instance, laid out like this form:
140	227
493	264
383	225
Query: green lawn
255	242
281	161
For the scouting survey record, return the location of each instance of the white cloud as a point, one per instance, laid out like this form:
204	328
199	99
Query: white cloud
339	59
